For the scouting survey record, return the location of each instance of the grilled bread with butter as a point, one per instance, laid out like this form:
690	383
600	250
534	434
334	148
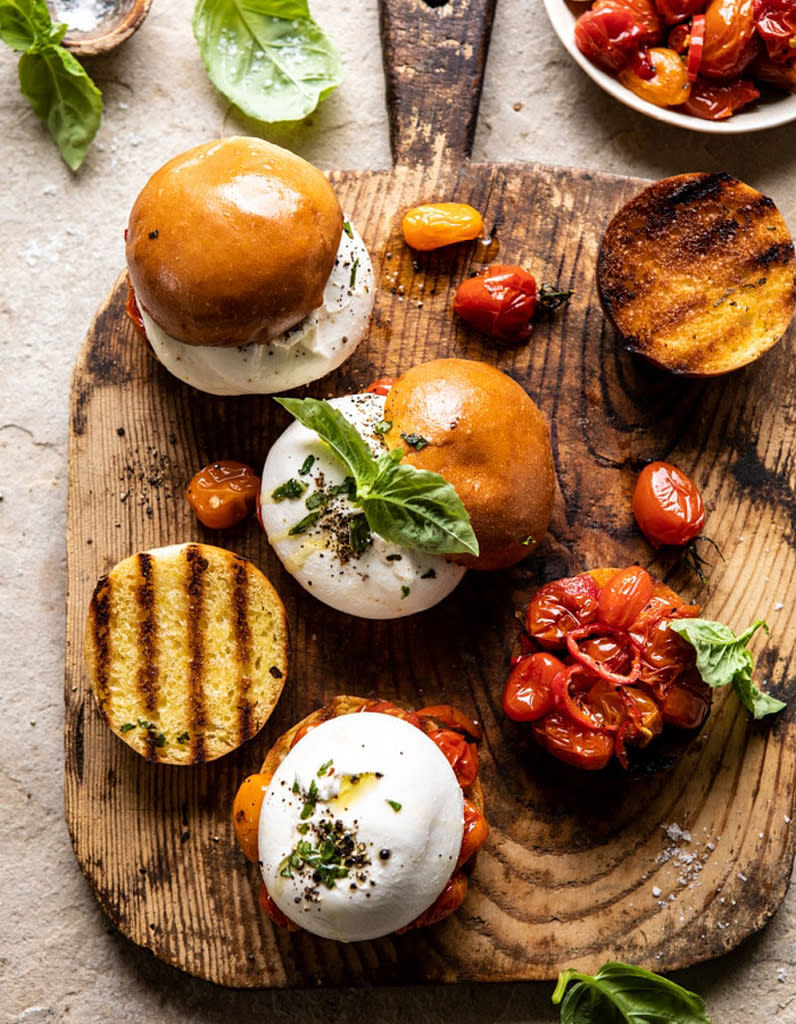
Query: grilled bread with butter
698	274
186	650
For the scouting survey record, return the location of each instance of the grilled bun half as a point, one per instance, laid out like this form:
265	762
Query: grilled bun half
186	649
698	274
487	438
232	242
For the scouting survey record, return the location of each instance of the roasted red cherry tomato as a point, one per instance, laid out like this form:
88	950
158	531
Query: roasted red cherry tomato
476	832
623	597
589	749
273	911
502	300
775	21
132	310
527	694
449	900
382	386
462	756
223	493
613	38
446	716
434	225
731	43
714	101
561	606
667	505
644	11
673	11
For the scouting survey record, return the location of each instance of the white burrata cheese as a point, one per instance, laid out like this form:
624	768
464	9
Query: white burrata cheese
378	799
384	581
314	347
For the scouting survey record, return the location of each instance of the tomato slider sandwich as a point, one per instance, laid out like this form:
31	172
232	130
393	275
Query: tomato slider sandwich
378	502
612	659
245	276
365	819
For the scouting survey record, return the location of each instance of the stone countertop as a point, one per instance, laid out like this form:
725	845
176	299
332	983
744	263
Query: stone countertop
61	251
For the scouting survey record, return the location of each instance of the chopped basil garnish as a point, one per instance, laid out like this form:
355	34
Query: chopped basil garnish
127	727
395	805
183	737
348	229
304	524
317	500
359	535
324	768
310	801
416	441
307	465
404	592
353	278
382	427
289	489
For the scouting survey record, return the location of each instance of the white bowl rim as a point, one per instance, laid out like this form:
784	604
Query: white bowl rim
766	115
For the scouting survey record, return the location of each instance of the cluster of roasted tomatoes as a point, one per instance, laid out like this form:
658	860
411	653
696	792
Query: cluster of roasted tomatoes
456	736
704	57
600	671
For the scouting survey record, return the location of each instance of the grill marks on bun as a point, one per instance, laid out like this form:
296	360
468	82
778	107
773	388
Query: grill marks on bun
186	649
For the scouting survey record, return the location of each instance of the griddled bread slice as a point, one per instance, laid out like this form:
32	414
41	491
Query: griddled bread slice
186	650
697	273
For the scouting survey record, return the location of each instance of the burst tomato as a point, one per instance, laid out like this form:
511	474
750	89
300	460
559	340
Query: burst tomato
731	43
500	302
476	832
623	597
527	694
449	900
667	505
775	21
613	38
668	87
572	743
644	11
462	756
561	606
223	494
673	11
713	101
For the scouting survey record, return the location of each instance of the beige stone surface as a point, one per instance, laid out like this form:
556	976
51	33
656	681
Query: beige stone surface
61	234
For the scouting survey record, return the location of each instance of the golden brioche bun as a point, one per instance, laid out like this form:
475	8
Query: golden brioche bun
232	242
489	440
696	273
186	650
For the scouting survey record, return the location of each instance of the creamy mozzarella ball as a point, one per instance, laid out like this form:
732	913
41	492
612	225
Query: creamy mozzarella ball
314	347
383	581
382	801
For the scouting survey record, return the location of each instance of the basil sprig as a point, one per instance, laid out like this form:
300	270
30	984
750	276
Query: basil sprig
268	57
408	506
620	993
723	658
55	84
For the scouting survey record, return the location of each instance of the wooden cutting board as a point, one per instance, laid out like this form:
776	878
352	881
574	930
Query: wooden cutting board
664	870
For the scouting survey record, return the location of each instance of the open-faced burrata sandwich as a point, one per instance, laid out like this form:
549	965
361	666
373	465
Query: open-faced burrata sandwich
365	819
245	275
377	503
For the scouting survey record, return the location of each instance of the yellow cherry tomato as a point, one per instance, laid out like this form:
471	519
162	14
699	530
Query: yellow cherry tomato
668	87
437	224
246	812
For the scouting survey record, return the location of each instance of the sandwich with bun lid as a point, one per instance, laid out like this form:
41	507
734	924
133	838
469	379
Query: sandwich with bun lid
245	275
377	503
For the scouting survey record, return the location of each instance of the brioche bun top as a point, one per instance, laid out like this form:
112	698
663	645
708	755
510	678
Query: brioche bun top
232	242
490	441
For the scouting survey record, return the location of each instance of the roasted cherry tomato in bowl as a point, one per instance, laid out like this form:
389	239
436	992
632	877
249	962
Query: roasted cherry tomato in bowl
223	493
434	225
667	505
502	300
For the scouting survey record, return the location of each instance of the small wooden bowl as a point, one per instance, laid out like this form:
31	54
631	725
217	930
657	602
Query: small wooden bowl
122	19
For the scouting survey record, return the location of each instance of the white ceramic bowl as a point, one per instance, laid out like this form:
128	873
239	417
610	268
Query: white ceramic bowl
766	113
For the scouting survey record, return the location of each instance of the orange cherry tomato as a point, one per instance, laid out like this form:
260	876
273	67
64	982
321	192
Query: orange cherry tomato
449	900
246	812
527	694
476	832
462	756
434	225
731	43
623	597
223	494
668	87
589	749
561	606
667	505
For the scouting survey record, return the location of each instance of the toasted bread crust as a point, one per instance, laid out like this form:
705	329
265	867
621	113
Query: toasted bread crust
698	274
340	705
186	649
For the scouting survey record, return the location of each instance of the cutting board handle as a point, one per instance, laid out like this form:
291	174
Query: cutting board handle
434	58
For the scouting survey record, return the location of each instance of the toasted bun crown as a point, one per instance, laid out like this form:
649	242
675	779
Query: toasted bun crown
186	651
697	274
232	242
489	440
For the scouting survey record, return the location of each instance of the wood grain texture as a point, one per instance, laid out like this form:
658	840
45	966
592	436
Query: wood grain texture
579	868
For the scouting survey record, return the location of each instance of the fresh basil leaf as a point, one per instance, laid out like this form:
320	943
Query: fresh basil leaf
26	25
417	509
621	993
268	57
64	98
723	658
341	436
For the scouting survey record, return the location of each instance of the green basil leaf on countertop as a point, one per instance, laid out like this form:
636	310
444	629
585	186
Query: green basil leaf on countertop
55	84
624	994
268	57
723	658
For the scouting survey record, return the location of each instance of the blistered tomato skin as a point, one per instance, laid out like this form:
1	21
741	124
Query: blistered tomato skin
223	494
246	812
668	87
500	302
667	505
435	225
731	43
527	694
623	597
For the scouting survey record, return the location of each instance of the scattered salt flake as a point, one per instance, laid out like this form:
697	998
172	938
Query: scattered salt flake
656	891
778	606
674	832
787	819
782	974
742	876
